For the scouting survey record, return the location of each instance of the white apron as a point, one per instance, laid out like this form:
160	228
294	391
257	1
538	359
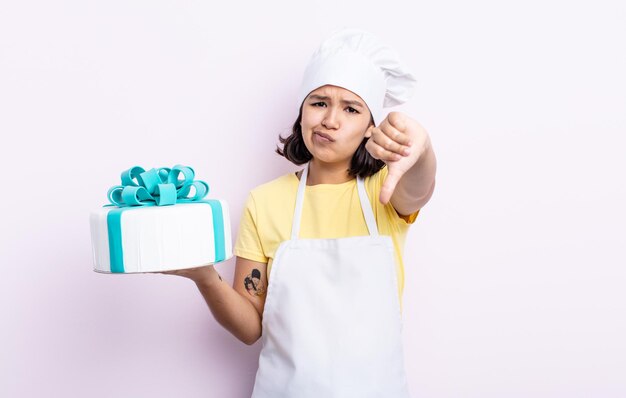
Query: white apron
332	321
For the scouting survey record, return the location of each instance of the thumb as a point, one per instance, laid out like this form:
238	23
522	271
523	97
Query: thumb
389	185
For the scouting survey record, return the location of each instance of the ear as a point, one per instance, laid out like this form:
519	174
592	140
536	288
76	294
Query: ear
368	132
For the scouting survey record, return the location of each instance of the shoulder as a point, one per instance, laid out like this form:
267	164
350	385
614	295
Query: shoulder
275	186
273	194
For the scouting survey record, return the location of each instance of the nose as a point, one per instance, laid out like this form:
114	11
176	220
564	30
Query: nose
330	120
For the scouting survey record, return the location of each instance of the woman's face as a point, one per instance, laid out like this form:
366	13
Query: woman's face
334	121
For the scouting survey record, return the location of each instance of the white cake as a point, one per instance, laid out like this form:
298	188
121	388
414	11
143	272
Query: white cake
136	239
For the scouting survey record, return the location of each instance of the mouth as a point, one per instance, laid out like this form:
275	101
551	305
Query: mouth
323	136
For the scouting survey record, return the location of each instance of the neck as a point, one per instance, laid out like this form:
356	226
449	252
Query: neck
328	173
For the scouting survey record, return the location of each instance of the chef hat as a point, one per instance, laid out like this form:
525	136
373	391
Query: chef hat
358	61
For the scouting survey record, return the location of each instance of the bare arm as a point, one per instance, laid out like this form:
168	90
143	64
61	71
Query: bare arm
417	185
239	309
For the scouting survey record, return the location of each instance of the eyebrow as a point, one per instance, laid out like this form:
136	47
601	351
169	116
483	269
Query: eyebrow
324	98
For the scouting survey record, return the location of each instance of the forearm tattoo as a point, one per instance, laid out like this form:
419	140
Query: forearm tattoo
254	284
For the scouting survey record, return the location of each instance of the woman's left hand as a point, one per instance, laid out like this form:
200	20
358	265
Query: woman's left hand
399	141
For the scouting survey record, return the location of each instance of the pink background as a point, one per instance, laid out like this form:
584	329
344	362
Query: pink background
515	271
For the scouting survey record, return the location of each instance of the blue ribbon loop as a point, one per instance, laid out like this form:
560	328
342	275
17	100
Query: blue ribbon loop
160	187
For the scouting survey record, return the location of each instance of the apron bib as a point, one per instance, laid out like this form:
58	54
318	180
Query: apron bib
332	322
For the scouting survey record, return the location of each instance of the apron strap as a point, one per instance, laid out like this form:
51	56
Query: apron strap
297	214
366	207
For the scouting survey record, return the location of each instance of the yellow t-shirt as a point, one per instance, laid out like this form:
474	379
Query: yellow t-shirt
329	211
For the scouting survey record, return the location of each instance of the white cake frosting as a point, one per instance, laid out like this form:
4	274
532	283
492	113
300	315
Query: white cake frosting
161	238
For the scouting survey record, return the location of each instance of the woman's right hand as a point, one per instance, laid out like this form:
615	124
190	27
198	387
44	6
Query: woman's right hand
203	274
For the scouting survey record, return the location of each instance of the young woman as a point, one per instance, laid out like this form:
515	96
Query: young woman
319	271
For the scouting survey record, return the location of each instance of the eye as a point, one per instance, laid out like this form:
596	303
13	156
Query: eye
352	110
318	103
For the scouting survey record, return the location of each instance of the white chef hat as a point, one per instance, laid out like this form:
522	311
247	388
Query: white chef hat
358	61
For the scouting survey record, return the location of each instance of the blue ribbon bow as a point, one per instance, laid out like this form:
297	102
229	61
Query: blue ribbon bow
159	187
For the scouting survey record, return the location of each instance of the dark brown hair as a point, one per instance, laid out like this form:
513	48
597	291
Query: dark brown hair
294	150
